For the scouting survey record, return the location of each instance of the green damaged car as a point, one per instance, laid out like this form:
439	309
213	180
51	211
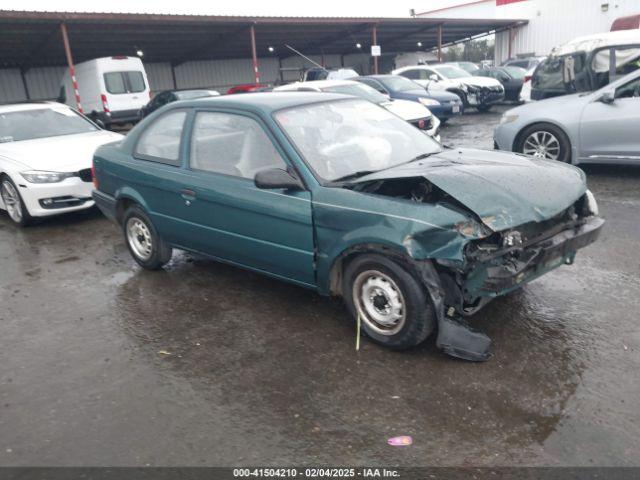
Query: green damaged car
337	194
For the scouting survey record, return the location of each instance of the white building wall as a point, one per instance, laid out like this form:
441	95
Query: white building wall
551	22
11	88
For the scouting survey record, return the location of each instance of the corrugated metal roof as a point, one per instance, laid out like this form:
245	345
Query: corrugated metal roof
29	38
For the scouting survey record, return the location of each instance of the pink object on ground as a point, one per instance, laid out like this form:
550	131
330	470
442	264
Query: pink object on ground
401	441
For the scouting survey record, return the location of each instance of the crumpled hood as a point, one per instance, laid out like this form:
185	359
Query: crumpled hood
480	81
65	153
503	189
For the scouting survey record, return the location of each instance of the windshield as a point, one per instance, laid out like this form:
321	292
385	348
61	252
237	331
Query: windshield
452	72
346	137
468	66
399	84
358	90
41	123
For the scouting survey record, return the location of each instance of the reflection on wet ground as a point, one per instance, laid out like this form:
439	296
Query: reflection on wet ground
102	363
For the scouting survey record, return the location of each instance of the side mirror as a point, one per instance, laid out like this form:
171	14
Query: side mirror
434	78
271	178
607	97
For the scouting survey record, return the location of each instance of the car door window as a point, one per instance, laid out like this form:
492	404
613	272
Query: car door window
232	145
629	90
160	142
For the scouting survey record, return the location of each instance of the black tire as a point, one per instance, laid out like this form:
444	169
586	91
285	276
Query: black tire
484	108
25	217
463	97
419	316
159	252
564	143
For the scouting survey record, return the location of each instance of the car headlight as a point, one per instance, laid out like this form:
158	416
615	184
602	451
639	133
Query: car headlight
429	102
590	203
508	118
40	176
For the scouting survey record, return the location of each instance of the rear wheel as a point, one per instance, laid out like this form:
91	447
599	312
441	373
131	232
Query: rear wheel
545	141
13	203
144	243
393	306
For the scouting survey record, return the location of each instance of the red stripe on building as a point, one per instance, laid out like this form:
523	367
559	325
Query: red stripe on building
506	2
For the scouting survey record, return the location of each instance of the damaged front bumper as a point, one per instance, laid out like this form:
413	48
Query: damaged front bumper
502	274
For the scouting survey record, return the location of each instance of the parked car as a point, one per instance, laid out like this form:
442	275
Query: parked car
247	88
45	160
525	93
112	90
598	127
416	114
468	67
442	104
479	92
317	73
168	96
339	195
511	78
586	64
527	63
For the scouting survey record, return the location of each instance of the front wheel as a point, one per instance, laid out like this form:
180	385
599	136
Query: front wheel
545	141
13	203
144	243
393	306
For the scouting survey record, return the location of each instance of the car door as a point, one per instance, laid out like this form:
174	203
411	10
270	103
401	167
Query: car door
609	131
227	216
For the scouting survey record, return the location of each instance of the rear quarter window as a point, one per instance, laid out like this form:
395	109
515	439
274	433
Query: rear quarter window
160	142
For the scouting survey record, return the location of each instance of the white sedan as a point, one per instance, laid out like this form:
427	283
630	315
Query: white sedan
413	112
46	150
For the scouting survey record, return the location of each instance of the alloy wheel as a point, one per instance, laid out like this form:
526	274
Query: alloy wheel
12	201
542	144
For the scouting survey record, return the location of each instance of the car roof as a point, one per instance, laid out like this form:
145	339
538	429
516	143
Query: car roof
264	101
319	84
21	107
588	43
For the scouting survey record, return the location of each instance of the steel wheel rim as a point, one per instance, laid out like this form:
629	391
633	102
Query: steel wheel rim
542	144
12	201
379	302
139	238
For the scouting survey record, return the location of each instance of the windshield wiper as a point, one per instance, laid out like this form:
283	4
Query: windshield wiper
422	156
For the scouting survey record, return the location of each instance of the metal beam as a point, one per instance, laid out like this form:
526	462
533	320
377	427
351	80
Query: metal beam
374	40
440	42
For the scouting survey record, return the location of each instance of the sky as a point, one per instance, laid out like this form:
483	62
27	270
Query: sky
340	8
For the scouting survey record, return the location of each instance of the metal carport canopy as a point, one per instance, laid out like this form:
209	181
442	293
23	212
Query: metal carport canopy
33	39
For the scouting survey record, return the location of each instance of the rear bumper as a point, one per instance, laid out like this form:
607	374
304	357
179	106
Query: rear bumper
121	116
498	277
106	203
446	110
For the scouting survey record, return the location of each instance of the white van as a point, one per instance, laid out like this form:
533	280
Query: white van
112	90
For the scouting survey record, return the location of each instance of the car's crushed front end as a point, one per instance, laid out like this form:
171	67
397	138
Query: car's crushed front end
490	224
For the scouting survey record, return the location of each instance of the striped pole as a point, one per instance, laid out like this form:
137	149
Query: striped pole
254	54
72	69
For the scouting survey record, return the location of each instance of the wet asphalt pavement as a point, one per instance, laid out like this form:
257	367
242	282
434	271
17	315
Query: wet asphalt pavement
102	363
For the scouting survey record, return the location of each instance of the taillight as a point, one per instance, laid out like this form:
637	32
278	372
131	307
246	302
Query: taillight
105	104
527	78
421	124
93	175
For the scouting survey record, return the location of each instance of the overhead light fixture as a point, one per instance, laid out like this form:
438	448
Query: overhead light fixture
419	44
140	53
271	49
358	45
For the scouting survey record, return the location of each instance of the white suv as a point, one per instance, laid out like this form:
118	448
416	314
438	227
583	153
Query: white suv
479	92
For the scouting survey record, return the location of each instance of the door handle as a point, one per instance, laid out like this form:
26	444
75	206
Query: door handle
188	195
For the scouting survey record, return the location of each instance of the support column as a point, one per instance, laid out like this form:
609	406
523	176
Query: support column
510	42
72	70
440	42
374	41
24	84
254	54
173	77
